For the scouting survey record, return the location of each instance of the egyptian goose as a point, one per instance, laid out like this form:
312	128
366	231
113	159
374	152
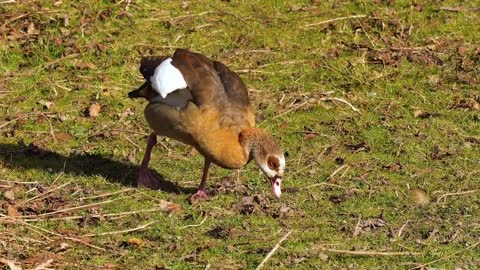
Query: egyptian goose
204	104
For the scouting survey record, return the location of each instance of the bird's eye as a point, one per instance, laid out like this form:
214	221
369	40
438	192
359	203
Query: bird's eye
273	163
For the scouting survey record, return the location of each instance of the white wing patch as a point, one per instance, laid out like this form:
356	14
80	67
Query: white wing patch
167	78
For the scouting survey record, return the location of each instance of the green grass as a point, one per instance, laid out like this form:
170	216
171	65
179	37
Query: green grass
398	60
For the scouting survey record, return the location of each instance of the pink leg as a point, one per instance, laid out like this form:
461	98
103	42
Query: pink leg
145	177
201	194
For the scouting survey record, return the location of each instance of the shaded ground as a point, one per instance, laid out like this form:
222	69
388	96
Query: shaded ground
376	103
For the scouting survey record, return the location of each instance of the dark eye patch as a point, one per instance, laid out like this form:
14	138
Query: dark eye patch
273	163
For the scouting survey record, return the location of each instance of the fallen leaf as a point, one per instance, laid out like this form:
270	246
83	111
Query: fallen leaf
10	264
421	114
309	136
84	65
44	266
135	241
193	152
9	195
94	109
368	225
45	104
12	211
170	207
420	197
63	136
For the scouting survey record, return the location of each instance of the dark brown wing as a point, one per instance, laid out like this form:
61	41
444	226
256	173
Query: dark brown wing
233	85
201	77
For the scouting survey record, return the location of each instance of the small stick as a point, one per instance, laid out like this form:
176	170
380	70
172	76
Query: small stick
371	253
19	182
336	19
106	194
336	171
132	142
53	233
456	194
79	207
325	184
342	100
400	231
98	215
446	257
195	225
273	251
44	265
357	229
52	133
59	60
47	192
292	109
122	231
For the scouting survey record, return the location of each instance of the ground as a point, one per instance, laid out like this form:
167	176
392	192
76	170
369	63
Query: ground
376	104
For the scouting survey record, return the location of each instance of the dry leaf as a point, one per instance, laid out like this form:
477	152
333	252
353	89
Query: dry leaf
309	136
170	207
193	152
135	241
44	265
84	65
421	114
45	104
94	109
10	264
12	211
63	136
420	197
9	195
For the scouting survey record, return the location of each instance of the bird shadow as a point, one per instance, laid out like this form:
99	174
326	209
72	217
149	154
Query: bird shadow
18	156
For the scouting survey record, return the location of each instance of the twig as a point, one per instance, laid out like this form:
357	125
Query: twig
106	194
370	253
343	101
122	231
292	109
446	257
400	231
456	194
336	171
99	215
11	264
59	60
53	233
13	120
325	184
273	251
44	265
52	133
357	229
79	207
132	142
19	182
195	225
335	19
452	9
21	117
46	192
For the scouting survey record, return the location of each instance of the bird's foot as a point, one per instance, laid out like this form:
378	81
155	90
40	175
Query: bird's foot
200	195
147	179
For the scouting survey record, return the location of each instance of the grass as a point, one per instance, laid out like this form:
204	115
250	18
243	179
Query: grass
409	181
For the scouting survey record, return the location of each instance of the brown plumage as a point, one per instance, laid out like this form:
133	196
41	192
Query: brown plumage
213	114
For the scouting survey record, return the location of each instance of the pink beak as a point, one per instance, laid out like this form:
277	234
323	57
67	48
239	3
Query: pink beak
276	186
